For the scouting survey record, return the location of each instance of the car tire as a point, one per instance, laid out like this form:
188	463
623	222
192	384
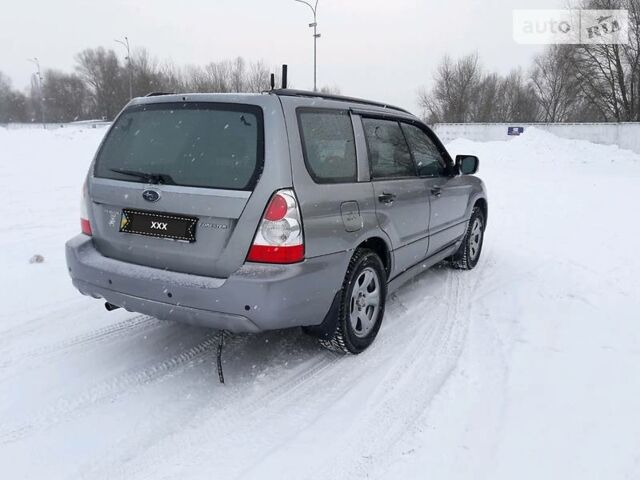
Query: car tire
362	303
469	252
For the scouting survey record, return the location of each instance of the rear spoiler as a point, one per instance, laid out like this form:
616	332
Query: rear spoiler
157	94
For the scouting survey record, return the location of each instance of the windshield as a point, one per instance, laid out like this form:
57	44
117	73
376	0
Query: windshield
209	145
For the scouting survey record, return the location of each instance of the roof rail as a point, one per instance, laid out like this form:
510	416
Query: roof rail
289	92
157	94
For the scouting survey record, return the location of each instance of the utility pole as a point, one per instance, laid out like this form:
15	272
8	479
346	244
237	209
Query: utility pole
128	59
38	74
316	36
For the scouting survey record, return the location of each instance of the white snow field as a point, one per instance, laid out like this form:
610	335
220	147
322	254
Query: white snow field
527	367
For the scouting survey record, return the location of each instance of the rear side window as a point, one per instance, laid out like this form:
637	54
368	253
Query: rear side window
388	150
209	145
328	145
428	158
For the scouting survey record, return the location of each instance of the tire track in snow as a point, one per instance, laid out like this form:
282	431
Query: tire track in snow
227	421
108	390
387	417
237	421
32	322
131	326
389	339
407	393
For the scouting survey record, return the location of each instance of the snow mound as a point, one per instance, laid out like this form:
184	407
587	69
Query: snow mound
540	146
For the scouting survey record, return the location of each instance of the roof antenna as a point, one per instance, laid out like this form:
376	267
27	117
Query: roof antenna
284	76
273	81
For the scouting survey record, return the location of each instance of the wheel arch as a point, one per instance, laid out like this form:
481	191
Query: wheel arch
328	326
484	207
380	246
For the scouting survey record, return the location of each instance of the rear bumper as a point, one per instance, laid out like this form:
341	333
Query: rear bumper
256	297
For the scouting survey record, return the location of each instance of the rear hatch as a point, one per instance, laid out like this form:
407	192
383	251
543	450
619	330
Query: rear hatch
177	184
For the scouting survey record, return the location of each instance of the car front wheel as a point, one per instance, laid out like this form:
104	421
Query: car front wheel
468	254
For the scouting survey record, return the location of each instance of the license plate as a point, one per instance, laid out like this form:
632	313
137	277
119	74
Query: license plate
161	225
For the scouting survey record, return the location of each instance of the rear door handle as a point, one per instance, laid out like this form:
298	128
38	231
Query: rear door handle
387	198
436	191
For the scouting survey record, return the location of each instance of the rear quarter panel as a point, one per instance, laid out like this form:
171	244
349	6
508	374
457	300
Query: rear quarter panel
323	205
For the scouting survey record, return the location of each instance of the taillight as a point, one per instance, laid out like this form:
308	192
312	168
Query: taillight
85	224
279	237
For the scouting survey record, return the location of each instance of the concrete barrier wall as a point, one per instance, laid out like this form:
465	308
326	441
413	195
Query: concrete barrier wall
625	135
54	126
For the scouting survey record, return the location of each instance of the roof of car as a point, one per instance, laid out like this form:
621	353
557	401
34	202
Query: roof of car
289	92
155	97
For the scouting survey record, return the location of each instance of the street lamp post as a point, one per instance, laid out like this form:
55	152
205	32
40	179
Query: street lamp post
35	61
125	44
316	36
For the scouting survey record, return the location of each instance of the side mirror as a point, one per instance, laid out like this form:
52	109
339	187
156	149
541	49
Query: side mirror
467	164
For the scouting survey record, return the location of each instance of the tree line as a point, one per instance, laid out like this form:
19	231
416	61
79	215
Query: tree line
98	87
565	83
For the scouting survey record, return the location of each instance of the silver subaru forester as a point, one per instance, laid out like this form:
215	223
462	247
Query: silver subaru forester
252	212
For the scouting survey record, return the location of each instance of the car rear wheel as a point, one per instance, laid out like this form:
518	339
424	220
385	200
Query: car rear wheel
468	254
362	302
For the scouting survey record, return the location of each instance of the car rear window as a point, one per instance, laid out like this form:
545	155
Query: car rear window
213	145
328	145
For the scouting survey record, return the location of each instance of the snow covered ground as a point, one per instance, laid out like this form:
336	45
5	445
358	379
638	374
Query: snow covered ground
527	367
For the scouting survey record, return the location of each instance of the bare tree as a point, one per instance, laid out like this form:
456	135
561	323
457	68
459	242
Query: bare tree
332	90
463	93
66	96
105	78
258	77
147	75
609	74
486	98
13	104
225	77
173	78
455	84
238	75
518	102
218	78
100	88
555	84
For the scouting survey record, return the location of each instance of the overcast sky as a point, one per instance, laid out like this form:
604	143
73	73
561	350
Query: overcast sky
378	49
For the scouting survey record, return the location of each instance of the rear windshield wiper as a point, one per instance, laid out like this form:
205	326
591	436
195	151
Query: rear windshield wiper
156	178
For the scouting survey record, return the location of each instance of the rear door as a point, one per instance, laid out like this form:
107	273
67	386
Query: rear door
182	185
448	195
402	205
